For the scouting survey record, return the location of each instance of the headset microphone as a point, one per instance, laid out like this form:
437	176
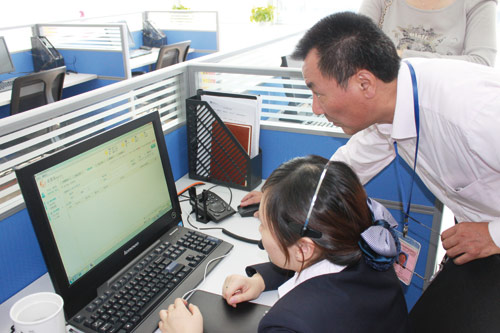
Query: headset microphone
260	245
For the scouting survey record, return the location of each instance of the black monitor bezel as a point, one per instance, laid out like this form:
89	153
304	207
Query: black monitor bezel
2	40
84	290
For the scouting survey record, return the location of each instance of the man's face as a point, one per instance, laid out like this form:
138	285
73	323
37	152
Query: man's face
345	108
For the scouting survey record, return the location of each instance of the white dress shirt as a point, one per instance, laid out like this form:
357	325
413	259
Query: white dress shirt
320	268
459	136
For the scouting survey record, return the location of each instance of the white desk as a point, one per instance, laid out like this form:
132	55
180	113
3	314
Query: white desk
242	255
146	59
71	79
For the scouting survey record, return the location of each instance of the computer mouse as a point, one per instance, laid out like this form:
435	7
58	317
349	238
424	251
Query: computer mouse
249	210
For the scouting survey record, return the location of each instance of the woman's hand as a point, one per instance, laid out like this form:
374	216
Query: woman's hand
238	288
181	318
251	198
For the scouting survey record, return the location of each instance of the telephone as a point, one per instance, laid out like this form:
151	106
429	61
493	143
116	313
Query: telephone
45	55
208	206
152	36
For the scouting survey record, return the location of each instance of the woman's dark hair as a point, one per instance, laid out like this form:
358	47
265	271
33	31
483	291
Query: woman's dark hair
340	213
347	42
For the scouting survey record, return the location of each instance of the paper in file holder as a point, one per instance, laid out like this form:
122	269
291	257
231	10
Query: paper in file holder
214	153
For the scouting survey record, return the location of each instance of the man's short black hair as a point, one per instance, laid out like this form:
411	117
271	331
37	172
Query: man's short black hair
347	42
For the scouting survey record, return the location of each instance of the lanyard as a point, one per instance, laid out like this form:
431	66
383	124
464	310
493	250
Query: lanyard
398	173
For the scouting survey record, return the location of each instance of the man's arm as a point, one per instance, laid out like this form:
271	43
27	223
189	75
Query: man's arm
367	152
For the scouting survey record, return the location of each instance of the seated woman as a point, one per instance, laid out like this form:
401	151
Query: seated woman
316	222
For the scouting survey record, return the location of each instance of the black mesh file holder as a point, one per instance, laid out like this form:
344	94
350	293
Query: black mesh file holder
214	154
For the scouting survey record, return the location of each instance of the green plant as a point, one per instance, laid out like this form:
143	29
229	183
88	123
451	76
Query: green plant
262	14
179	7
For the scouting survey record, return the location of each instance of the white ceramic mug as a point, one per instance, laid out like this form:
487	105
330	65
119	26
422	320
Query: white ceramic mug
39	313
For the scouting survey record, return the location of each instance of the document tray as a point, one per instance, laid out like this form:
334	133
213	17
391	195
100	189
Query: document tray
214	154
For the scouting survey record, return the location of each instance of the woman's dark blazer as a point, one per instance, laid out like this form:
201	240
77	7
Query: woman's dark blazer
358	299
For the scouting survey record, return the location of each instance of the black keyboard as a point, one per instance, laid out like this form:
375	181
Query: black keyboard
132	297
6	85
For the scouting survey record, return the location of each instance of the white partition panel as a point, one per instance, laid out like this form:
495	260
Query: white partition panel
83	36
33	134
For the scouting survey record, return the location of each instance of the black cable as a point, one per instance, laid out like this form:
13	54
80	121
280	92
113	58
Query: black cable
225	231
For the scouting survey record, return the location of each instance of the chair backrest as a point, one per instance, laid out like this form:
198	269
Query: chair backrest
37	89
172	54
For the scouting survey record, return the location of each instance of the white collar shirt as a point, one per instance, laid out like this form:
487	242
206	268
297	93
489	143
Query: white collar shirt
320	268
459	134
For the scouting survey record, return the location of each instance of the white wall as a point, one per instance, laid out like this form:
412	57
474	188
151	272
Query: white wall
15	13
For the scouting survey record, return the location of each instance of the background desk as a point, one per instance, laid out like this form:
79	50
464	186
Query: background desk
71	79
146	59
242	255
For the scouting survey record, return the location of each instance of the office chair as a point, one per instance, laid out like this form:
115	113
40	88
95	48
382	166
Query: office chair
37	89
170	55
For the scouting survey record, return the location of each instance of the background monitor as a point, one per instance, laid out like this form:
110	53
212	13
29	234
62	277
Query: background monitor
6	65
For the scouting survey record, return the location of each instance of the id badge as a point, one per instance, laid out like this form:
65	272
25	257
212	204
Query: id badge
407	258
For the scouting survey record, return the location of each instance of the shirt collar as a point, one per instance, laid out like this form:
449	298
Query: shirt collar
320	268
403	124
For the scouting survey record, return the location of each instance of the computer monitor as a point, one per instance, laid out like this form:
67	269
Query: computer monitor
118	182
6	65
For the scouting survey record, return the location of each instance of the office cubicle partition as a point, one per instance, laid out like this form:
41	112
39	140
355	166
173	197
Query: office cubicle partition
165	91
91	48
202	28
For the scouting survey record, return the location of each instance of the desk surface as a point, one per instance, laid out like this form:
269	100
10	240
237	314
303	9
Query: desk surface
242	255
71	79
146	59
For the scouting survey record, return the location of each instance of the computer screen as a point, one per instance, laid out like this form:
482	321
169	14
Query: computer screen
6	65
121	182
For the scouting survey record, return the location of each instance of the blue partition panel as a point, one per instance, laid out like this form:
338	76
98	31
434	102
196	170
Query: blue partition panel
202	40
84	87
103	63
21	261
23	64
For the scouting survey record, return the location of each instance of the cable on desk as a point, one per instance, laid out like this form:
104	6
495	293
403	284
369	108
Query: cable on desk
224	231
187	188
190	292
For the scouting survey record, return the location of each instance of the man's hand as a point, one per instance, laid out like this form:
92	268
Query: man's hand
467	241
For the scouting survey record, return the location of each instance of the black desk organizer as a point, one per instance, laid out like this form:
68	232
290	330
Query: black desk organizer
214	154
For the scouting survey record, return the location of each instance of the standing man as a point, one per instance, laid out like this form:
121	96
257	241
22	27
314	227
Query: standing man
360	84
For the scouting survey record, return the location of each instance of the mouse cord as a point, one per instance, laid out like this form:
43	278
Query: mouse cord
188	294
